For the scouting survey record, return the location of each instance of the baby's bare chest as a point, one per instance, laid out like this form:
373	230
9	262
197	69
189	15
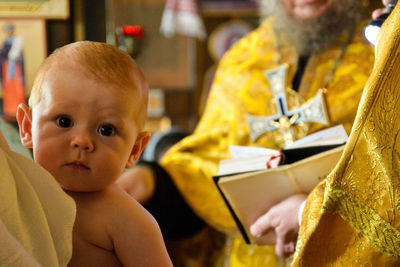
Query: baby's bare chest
92	223
92	239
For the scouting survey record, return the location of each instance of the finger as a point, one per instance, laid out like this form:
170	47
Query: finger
376	13
385	2
285	241
283	249
262	226
279	246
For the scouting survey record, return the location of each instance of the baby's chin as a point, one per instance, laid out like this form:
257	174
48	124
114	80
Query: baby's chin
83	188
81	182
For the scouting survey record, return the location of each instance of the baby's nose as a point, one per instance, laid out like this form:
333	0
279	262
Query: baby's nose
82	141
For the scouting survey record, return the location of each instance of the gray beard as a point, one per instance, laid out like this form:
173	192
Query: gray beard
316	35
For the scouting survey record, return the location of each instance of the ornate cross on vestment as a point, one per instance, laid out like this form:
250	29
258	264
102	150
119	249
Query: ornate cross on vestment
314	110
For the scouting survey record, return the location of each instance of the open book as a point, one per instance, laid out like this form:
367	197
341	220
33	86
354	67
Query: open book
250	186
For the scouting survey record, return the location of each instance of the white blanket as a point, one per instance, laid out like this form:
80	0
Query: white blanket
36	216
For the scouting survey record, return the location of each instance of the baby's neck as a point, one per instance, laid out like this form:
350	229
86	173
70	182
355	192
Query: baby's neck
82	195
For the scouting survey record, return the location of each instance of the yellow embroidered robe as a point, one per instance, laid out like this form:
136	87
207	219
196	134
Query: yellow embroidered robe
240	87
353	218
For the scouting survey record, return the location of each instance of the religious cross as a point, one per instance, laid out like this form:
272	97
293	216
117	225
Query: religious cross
314	110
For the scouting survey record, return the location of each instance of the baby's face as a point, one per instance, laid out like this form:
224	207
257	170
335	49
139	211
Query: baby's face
83	131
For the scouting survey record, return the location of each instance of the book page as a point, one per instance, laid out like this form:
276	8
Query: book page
241	152
312	170
248	158
232	166
333	135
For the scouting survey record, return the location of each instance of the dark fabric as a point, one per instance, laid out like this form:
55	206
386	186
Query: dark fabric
301	67
176	219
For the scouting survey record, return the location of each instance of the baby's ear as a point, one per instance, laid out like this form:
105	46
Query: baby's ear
141	142
24	118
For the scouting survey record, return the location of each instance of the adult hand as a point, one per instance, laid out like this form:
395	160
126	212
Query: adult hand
138	182
378	12
282	218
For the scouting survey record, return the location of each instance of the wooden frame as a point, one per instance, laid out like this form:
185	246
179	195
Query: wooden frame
49	9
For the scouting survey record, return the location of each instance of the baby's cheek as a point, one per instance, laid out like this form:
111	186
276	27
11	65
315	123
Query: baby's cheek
105	169
46	157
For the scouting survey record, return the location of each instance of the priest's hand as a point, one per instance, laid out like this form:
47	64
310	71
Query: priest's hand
282	218
138	182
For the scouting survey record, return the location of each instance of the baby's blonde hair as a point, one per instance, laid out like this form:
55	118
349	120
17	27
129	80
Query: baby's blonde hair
101	62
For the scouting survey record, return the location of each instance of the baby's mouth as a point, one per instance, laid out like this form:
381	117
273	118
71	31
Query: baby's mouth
77	165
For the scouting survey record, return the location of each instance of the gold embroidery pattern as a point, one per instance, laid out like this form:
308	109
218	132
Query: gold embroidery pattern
364	220
372	175
360	218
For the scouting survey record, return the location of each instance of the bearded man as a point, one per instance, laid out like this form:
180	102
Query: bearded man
321	45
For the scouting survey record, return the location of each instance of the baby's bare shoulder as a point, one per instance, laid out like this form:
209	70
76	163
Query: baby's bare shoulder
122	210
112	205
135	233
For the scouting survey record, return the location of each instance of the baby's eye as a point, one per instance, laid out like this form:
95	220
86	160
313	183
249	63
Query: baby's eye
64	122
107	130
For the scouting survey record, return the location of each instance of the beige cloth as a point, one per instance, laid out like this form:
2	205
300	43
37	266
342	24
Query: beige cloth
36	216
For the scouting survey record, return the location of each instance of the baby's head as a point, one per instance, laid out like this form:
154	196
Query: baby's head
85	117
101	63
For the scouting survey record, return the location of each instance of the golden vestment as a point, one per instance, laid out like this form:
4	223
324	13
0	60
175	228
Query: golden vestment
353	217
240	88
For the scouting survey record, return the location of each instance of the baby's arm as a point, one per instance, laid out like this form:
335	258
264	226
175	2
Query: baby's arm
136	235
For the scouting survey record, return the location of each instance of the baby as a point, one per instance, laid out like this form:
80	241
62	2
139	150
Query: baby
84	123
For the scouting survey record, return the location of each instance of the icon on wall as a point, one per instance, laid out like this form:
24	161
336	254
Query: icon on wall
12	71
19	62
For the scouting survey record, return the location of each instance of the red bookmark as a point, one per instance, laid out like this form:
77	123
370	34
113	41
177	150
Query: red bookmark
274	157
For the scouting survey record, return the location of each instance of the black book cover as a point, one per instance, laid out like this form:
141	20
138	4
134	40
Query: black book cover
295	154
234	216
